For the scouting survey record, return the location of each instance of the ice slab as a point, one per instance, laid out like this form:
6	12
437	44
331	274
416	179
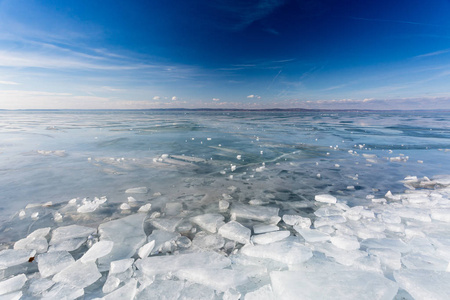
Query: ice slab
441	214
270	237
145	208
70	237
263	228
163	264
329	221
163	240
425	262
34	241
168	224
385	243
345	242
209	222
326	211
127	234
12	284
137	190
332	285
263	293
325	198
258	213
388	257
79	274
235	231
344	257
90	206
204	240
11	257
40	285
127	292
288	252
424	284
145	250
311	235
98	250
296	220
63	291
218	279
120	266
161	290
197	291
51	263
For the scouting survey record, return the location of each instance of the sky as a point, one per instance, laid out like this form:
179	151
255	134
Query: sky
327	54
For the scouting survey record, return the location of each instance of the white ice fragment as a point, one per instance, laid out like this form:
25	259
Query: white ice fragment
385	243
231	294
79	274
22	213
124	206
296	220
12	284
40	285
120	266
173	208
63	291
218	279
70	237
145	208
344	257
162	290
344	285
239	157
209	222
311	235
257	202
263	293
154	265
388	257
126	292
330	220
236	232
263	228
131	199
424	262
163	240
35	215
137	190
90	206
441	214
145	250
126	233
287	251
270	237
326	211
51	263
11	257
167	224
345	242
223	205
325	198
98	250
34	241
111	283
258	213
208	241
57	217
424	284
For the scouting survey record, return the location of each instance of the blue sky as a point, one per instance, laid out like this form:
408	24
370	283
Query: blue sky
225	54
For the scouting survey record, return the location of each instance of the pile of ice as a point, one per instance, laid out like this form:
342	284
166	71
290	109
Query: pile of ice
397	247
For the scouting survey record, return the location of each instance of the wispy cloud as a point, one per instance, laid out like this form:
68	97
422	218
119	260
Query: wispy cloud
396	21
435	53
253	97
215	99
8	82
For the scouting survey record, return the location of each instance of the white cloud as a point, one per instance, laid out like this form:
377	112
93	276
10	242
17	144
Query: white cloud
157	98
8	82
254	96
174	98
215	99
111	89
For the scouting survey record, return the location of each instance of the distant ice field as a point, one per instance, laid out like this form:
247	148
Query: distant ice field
223	204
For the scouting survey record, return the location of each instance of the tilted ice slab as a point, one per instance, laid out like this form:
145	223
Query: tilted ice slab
126	292
12	284
235	231
163	240
393	244
51	263
98	250
295	285
287	251
325	198
70	237
127	234
424	284
34	241
11	257
90	206
209	222
137	190
270	237
79	274
258	213
158	290
218	279
168	224
311	235
63	291
163	264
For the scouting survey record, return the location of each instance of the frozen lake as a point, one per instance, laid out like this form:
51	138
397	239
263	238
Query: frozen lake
205	183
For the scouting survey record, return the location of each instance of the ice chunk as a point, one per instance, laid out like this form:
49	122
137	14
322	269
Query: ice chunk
258	213
90	206
223	205
145	250
163	264
173	208
63	291
39	286
311	235
137	190
70	237
325	198
231	294
209	222
12	284
163	240
344	257
79	274
293	285
161	290
263	293
270	237
218	279
111	283
98	250
295	220
127	234
145	208
236	232
125	206
441	214
34	241
263	228
330	220
424	284
345	242
197	291
11	257
326	211
393	244
425	262
127	292
288	252
53	262
388	257
204	240
168	224
120	266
